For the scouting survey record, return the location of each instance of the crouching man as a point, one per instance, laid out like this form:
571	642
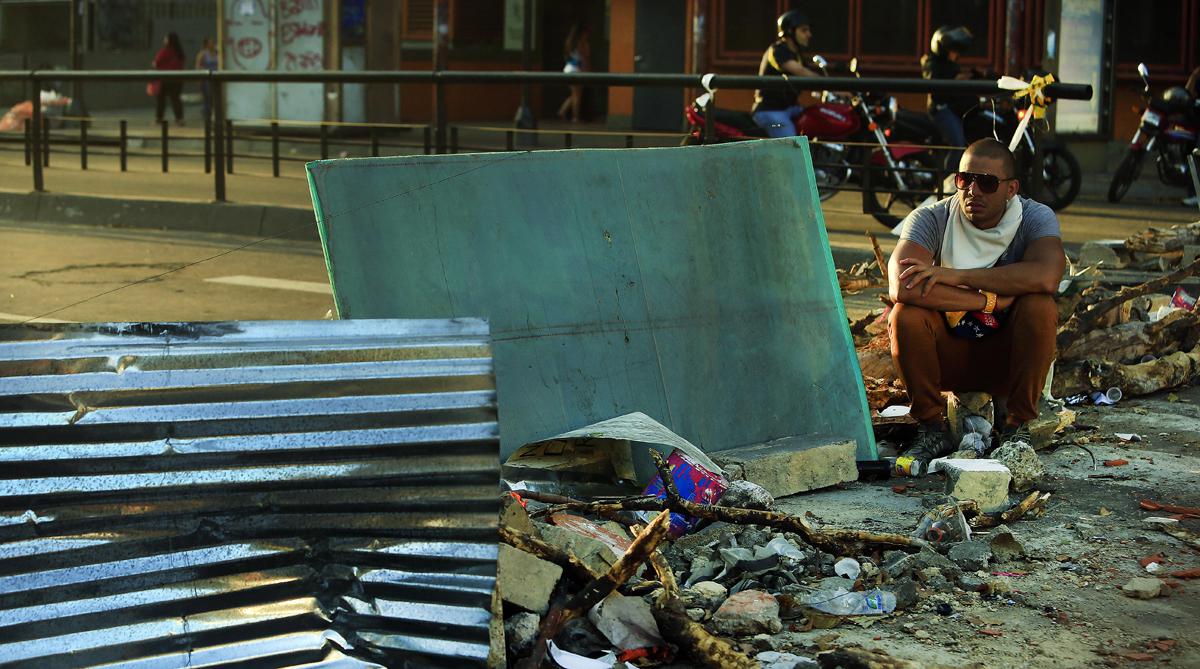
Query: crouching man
972	278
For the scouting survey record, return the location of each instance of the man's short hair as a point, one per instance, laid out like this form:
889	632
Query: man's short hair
990	148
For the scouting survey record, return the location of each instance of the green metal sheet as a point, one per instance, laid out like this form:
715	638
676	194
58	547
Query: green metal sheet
693	284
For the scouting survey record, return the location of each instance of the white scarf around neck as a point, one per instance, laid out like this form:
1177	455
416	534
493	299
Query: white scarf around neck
965	246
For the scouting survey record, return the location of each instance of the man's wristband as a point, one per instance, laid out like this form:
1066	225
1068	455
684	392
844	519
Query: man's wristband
990	305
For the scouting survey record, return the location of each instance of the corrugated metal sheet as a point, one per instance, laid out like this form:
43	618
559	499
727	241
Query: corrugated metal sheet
266	494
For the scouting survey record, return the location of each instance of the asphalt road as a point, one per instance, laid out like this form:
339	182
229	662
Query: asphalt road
86	273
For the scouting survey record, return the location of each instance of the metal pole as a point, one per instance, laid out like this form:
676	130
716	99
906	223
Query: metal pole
28	144
38	184
699	36
124	145
1014	12
453	140
629	141
324	131
374	143
509	140
164	146
83	147
45	142
229	146
218	99
441	42
566	140
207	145
710	120
428	140
525	118
275	148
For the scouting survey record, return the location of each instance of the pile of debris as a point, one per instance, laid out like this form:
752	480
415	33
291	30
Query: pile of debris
659	578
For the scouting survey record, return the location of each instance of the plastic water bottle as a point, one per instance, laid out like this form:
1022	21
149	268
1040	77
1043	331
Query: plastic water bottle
841	602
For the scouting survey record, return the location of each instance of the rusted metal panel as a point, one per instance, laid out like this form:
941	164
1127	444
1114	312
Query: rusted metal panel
271	494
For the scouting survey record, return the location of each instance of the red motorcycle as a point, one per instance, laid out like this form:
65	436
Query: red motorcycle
847	132
1168	129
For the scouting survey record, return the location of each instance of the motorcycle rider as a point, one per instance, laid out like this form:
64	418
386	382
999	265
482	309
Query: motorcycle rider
776	110
945	47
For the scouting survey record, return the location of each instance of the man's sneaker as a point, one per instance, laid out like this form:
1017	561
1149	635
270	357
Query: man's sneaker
933	441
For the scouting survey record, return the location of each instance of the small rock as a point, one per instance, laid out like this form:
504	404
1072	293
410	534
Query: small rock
1024	464
922	634
784	661
1006	547
764	642
898	564
905	590
747	613
1142	588
696	614
971	583
581	637
704	595
971	555
768	656
747	495
520	631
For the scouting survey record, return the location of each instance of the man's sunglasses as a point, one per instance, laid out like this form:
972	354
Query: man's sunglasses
988	183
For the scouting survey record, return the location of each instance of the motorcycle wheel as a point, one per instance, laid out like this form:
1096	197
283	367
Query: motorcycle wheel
891	208
1061	177
1127	172
830	170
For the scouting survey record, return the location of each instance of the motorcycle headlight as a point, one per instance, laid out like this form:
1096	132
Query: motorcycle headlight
893	106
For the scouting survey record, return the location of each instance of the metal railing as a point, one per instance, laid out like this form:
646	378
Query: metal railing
220	139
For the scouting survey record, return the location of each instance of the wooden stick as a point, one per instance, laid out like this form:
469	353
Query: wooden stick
1080	323
879	259
548	552
643	544
694	641
837	542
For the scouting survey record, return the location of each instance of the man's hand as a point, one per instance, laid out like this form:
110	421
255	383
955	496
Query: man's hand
926	275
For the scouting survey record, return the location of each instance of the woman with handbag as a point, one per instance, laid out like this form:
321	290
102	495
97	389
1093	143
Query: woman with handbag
169	57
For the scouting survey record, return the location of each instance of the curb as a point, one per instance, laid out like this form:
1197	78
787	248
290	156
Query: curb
253	220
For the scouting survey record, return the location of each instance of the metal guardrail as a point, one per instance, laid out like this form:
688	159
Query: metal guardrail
441	78
257	493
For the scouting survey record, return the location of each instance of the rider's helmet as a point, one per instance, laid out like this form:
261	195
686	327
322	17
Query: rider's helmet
1176	99
950	38
789	21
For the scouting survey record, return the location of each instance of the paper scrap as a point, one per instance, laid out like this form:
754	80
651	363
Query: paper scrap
895	411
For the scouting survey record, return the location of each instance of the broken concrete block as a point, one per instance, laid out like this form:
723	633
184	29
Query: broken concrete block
1142	588
905	590
791	465
1006	547
524	580
514	517
593	552
747	613
1022	462
520	631
704	595
961	405
971	555
985	481
747	495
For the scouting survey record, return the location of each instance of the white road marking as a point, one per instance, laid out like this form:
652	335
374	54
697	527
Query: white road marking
267	282
21	319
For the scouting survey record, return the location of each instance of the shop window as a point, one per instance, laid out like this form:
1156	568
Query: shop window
749	25
418	20
889	28
478	22
974	14
1150	35
830	25
38	26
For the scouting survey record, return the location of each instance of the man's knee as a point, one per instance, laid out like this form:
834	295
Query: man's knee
1035	310
907	319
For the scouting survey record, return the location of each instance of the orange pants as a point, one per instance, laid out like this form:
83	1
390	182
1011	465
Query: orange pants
1012	362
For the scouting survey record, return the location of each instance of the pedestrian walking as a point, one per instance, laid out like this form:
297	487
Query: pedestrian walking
169	57
577	51
206	59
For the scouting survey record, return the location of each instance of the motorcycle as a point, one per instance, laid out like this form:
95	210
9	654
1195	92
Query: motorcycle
1169	126
835	122
1000	118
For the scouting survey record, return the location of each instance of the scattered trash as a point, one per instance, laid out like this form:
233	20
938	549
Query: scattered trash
895	411
1129	437
847	568
1116	463
695	484
628	622
1108	397
943	524
569	660
841	602
1180	299
1170	508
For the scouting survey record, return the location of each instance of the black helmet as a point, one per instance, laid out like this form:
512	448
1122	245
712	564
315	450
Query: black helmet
789	21
950	38
1176	99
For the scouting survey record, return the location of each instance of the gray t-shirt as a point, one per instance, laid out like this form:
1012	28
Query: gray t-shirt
927	226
